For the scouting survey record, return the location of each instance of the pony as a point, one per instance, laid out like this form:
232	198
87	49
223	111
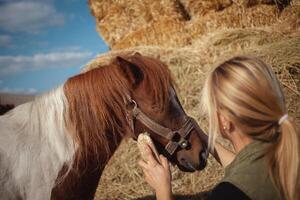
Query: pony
56	146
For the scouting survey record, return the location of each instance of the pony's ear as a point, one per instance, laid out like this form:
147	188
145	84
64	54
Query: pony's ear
131	71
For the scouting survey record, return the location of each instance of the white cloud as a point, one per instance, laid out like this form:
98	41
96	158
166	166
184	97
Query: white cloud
14	64
32	90
27	91
5	40
29	16
66	49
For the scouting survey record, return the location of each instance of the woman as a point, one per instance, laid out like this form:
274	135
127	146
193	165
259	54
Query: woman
245	104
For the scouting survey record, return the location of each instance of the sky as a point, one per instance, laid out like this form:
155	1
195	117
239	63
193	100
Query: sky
43	42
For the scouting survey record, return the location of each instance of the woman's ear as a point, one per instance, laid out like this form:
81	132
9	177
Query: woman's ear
130	70
226	126
224	123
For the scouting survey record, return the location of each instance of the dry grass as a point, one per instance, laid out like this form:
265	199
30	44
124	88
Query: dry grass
217	30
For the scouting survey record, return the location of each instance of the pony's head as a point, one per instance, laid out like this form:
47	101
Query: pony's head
131	95
153	107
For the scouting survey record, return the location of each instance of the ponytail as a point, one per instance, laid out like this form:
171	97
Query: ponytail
284	160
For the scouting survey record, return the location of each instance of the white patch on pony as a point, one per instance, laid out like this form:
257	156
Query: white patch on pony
34	146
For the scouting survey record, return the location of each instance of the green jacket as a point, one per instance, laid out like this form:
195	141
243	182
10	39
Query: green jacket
249	172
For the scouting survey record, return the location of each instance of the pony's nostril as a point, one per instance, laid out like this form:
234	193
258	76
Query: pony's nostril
182	160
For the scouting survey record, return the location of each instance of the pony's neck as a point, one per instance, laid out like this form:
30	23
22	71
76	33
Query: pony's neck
96	114
96	120
75	177
85	121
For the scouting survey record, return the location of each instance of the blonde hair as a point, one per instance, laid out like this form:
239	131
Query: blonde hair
247	92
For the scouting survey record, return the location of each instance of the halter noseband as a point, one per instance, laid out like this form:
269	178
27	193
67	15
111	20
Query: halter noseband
177	138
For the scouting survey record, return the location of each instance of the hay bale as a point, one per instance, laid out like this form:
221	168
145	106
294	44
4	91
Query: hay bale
124	24
176	33
166	32
115	19
289	21
200	8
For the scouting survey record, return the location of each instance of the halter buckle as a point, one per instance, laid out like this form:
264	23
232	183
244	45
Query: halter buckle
183	143
131	104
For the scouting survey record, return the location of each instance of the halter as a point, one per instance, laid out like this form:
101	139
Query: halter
176	138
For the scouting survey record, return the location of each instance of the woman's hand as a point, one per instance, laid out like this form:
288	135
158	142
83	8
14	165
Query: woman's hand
157	175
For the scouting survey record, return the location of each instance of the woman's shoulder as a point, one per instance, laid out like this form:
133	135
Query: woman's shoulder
226	190
249	172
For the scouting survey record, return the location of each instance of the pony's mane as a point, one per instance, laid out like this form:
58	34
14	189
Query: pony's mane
96	113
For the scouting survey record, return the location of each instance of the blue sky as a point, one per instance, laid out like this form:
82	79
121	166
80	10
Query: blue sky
42	43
